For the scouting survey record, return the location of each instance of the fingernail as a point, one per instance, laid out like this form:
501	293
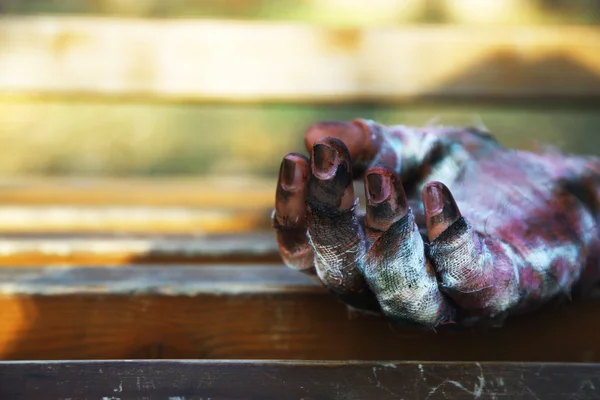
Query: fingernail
288	174
378	188
324	161
434	201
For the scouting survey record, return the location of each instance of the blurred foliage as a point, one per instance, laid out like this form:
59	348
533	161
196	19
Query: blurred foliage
344	12
136	138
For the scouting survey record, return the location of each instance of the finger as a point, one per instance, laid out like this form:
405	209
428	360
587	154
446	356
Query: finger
330	184
441	210
365	142
334	231
395	266
386	200
479	272
290	216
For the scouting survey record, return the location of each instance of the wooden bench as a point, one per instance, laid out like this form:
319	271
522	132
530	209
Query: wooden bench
186	268
118	295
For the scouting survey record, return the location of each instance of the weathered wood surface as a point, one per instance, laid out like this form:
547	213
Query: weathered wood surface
275	380
247	312
252	61
34	249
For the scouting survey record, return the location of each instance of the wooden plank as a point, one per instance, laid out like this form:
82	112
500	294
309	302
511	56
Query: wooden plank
173	205
196	380
166	220
33	249
175	191
252	61
248	312
177	280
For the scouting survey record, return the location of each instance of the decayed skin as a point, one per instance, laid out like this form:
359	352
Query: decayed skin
458	229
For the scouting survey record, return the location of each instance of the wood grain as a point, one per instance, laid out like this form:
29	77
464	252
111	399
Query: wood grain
196	380
247	312
189	60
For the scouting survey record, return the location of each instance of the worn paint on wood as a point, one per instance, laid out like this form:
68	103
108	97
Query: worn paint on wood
172	280
247	312
32	250
274	380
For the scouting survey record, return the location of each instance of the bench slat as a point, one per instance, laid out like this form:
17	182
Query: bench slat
274	380
247	312
173	220
189	60
173	191
38	249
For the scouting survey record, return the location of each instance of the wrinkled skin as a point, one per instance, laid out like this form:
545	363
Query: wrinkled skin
458	230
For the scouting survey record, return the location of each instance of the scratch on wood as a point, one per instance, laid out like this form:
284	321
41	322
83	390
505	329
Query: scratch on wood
422	371
477	389
529	391
378	383
587	384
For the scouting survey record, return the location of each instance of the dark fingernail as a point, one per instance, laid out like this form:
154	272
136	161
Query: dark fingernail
324	161
378	188
288	174
434	201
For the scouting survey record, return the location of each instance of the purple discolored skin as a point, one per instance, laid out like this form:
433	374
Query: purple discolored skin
458	229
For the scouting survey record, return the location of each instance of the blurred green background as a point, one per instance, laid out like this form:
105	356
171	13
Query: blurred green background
59	134
348	12
63	137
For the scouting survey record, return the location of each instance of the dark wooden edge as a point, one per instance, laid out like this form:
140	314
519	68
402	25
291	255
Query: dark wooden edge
191	380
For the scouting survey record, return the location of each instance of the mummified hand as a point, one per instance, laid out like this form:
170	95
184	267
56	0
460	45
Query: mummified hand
458	229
